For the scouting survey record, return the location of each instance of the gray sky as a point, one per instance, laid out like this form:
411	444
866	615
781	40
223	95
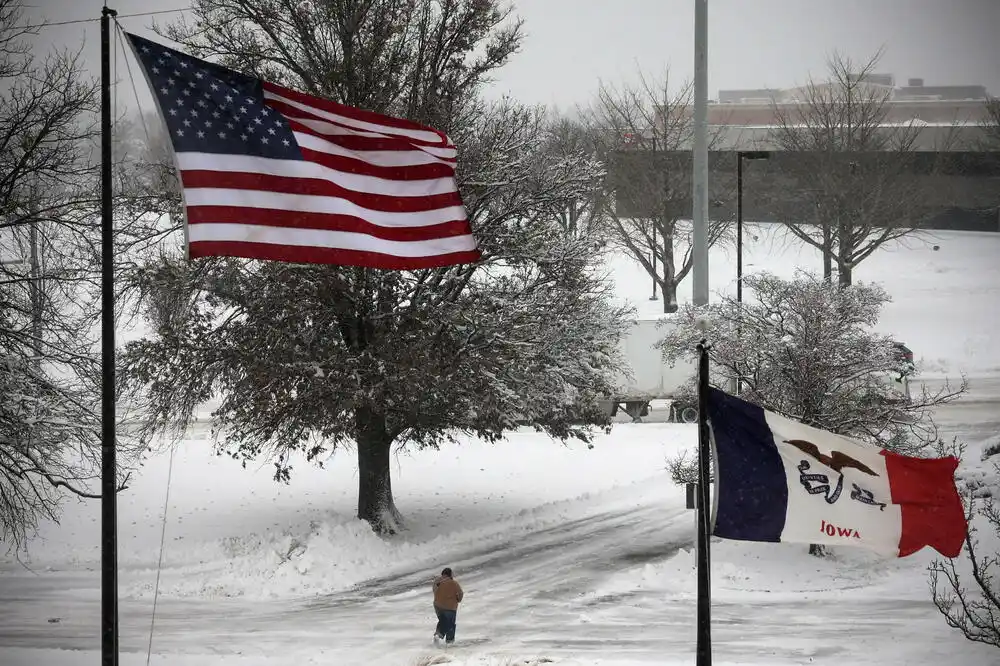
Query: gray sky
572	44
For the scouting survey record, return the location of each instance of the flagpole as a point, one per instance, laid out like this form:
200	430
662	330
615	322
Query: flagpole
109	508
704	645
699	203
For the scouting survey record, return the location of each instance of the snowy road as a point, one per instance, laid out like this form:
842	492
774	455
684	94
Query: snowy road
975	416
549	592
514	588
532	596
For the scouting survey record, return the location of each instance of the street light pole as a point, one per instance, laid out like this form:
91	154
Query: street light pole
739	227
740	156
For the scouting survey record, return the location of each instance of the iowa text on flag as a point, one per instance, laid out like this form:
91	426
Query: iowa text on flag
271	173
780	480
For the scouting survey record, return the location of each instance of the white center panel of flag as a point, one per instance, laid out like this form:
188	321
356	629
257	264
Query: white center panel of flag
838	489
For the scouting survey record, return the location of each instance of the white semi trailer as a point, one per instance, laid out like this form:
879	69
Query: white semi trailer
651	378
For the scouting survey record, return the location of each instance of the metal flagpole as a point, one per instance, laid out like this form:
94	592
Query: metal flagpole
704	646
109	508
699	202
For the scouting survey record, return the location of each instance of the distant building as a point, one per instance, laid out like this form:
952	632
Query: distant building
949	113
948	159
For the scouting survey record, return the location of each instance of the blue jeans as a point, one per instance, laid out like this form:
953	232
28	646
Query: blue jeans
446	624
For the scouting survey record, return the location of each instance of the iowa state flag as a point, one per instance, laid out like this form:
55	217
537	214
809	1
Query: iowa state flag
780	480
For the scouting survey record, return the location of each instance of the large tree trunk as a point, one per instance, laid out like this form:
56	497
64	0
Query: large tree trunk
845	275
669	297
375	502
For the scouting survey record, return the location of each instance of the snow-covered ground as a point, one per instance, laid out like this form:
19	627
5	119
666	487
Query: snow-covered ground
577	555
946	302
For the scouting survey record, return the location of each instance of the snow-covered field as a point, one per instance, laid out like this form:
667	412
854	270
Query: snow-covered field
570	555
946	302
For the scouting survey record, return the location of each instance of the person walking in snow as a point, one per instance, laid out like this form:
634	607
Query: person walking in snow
447	596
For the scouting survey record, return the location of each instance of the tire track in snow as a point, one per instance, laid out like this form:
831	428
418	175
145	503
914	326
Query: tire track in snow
626	535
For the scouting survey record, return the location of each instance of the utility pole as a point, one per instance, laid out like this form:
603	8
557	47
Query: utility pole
740	156
699	202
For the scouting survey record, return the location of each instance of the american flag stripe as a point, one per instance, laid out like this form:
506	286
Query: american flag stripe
403	193
332	239
350	164
379	152
324	125
329	255
206	215
358	118
369	142
315	187
271	173
277	201
359	140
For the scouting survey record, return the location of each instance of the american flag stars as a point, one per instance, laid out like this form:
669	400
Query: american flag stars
199	102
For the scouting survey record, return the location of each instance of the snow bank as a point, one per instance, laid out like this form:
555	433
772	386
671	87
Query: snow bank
748	571
450	660
334	554
23	657
236	533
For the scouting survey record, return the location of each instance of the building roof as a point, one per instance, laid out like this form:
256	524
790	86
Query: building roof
929	137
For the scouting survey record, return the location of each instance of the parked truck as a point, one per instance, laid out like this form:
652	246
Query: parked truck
651	378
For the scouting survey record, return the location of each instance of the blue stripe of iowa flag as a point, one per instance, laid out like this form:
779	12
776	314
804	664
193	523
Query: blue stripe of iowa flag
751	487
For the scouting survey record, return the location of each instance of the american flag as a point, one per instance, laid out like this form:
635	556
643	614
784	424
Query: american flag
271	173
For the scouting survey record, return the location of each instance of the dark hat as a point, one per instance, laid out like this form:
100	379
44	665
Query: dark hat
446	572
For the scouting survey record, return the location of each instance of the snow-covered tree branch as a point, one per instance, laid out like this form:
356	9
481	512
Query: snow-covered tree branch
49	282
966	589
806	349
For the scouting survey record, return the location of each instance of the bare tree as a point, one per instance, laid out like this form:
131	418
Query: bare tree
644	133
854	176
49	282
965	589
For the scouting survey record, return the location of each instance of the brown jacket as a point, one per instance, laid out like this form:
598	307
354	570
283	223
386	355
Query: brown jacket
447	593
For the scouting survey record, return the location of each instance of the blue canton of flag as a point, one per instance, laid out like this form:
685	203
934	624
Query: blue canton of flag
212	109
